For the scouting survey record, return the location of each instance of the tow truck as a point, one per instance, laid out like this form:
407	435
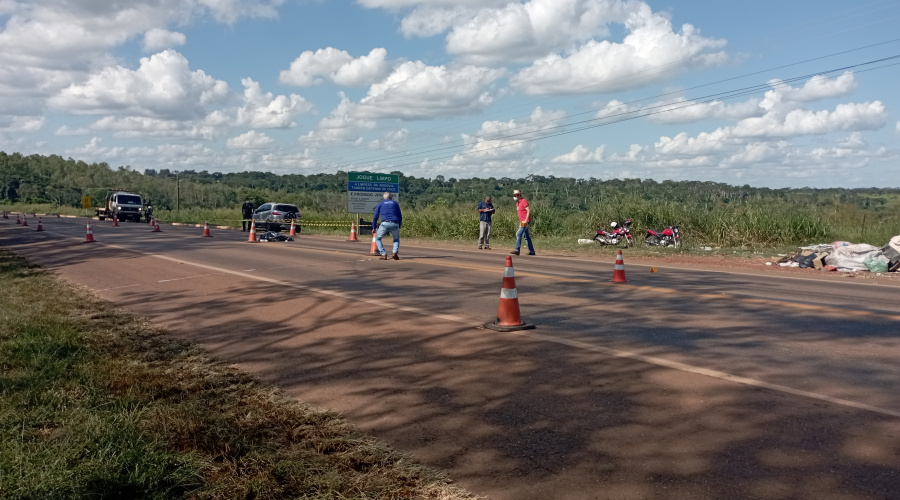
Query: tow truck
123	205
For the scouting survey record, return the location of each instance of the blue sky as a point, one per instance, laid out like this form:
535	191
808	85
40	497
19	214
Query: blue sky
696	90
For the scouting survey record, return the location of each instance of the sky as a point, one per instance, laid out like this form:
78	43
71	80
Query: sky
767	93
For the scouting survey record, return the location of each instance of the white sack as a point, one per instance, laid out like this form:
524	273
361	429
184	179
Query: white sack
852	257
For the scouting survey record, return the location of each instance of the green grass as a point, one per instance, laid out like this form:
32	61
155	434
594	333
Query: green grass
95	403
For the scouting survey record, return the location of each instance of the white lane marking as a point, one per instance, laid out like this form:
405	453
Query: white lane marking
707	372
675	365
185	278
572	343
333	293
115	288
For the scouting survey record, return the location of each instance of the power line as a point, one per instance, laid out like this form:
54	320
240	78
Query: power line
631	115
458	143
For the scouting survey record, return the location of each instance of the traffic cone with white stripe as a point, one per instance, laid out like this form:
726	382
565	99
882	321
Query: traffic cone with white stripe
509	318
206	229
353	233
4	215
619	270
115	221
252	237
40	227
374	249
18	220
156	228
90	235
25	221
293	231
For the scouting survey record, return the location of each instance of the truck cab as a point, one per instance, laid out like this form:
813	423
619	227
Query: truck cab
123	205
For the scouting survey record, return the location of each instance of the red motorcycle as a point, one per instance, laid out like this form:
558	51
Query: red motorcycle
669	236
616	234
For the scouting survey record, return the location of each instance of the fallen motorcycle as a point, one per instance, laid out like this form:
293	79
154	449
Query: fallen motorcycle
616	234
669	236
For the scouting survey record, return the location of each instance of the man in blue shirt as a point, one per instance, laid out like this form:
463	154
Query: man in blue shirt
391	219
485	210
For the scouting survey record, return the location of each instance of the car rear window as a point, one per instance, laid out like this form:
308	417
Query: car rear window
126	199
286	208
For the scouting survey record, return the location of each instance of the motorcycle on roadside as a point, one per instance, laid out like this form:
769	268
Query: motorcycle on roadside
617	234
669	236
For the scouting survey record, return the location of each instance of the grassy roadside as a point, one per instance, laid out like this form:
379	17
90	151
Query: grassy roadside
95	403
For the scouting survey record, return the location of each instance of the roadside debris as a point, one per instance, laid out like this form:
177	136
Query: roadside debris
845	257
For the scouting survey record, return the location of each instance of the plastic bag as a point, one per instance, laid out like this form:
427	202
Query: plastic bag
877	264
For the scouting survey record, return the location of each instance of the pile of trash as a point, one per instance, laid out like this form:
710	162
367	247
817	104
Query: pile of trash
846	257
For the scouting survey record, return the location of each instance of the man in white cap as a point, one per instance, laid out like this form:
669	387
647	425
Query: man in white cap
524	212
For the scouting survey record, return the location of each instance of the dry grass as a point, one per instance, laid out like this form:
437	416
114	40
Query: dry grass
95	403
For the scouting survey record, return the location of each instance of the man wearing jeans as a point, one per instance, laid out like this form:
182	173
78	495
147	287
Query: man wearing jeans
391	219
524	212
485	211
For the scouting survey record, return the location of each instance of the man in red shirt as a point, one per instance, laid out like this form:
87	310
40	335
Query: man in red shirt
524	212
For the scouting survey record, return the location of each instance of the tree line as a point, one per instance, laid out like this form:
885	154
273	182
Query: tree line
57	180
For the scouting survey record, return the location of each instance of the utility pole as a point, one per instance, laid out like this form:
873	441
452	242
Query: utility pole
177	193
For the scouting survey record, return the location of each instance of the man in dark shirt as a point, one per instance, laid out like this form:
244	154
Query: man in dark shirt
247	212
485	211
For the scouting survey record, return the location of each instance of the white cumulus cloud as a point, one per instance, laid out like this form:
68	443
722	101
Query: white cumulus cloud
418	91
21	123
333	65
850	117
206	129
685	145
685	111
510	139
650	52
263	110
250	140
158	39
581	154
163	86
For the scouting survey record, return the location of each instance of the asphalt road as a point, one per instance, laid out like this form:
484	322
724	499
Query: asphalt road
682	383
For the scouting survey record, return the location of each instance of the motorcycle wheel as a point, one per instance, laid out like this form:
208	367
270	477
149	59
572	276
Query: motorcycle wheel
677	243
629	242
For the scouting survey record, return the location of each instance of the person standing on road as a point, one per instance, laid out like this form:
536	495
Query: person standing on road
485	211
391	219
524	211
247	213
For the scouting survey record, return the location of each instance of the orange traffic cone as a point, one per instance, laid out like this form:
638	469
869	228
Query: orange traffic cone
653	270
156	228
5	216
24	221
293	229
619	271
206	229
508	317
374	250
40	227
353	233
90	235
115	221
252	237
18	220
